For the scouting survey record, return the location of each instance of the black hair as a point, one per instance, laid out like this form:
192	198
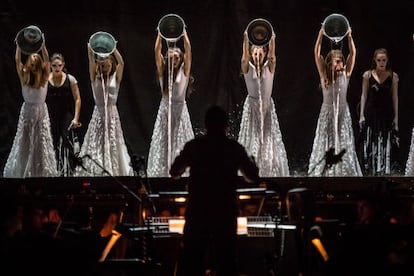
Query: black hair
216	118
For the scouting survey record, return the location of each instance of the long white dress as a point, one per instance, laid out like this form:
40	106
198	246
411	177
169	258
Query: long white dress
409	166
103	150
32	153
181	128
334	130
262	140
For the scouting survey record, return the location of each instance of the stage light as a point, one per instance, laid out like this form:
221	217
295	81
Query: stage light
180	199
244	197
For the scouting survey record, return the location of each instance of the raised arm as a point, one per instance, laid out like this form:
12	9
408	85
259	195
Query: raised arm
120	65
271	54
181	162
248	168
246	54
92	63
18	59
46	61
45	53
187	54
350	61
319	60
159	59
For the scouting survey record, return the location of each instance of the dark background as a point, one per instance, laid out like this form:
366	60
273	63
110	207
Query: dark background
216	30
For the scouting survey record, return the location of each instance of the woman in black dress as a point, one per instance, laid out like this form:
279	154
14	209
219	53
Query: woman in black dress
64	102
379	115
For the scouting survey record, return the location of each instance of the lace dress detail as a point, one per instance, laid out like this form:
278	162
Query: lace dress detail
409	166
32	153
103	148
334	130
262	139
181	129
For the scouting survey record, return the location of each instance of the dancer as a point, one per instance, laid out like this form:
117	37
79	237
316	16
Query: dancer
32	153
259	129
172	127
379	115
103	149
333	152
64	102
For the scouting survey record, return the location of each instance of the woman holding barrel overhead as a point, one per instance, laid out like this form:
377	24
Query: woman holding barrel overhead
172	128
103	150
32	153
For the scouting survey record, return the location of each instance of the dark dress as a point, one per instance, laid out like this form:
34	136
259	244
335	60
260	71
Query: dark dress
60	104
376	149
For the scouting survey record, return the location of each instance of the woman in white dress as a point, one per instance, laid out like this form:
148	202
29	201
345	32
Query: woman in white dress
32	153
409	166
259	128
103	151
333	152
172	127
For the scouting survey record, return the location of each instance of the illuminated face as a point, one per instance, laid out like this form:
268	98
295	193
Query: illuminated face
57	66
381	61
258	55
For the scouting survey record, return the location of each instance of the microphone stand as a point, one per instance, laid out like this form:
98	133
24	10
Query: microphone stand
148	232
122	185
139	165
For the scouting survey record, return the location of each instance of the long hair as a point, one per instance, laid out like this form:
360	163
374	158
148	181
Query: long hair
112	60
329	73
35	73
376	53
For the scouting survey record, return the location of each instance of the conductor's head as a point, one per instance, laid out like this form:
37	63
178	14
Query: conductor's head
216	119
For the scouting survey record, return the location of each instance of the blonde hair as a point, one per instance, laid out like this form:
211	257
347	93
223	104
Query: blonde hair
329	74
35	73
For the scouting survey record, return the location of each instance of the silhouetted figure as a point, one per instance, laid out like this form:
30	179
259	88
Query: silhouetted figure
211	213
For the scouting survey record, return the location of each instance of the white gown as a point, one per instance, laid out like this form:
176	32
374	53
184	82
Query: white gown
181	129
32	153
334	130
264	142
103	148
409	166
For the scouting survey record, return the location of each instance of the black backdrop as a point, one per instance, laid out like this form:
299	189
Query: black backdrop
216	30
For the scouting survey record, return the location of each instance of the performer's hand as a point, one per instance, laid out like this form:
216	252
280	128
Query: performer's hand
74	124
361	125
395	125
